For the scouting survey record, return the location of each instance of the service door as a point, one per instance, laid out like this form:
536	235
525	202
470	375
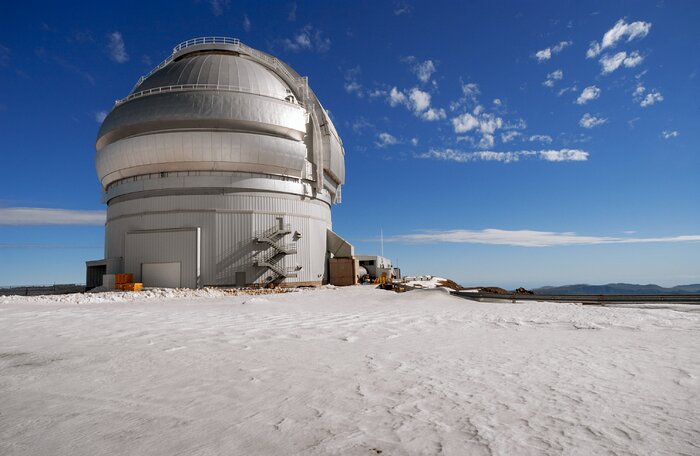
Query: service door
161	275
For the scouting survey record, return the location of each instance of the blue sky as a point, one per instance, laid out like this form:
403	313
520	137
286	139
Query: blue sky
505	143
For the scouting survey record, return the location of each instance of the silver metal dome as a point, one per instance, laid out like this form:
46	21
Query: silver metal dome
220	70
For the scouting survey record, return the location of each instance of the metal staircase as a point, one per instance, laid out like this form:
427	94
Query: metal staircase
272	256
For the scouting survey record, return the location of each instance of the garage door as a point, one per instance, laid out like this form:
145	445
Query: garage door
163	275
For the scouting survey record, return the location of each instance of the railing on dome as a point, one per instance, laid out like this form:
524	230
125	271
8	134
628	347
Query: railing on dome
187	87
301	81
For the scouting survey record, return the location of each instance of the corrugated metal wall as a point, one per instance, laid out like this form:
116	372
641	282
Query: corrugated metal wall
229	225
162	246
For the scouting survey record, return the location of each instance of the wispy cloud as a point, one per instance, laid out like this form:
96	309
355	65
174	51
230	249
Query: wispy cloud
526	238
509	136
588	94
651	98
402	7
247	25
561	155
22	216
589	121
307	38
423	70
553	77
292	12
352	85
621	30
100	116
117	49
361	125
218	6
386	139
540	138
668	134
547	53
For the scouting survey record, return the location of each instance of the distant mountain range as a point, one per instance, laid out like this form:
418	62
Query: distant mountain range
618	288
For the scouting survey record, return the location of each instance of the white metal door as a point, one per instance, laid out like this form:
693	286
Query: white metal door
162	275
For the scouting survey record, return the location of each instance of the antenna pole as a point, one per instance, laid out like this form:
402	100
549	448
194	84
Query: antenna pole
381	234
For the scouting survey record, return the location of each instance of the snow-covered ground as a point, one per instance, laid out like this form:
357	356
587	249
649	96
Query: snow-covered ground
349	371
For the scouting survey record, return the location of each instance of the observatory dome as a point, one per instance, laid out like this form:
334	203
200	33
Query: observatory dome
218	70
220	164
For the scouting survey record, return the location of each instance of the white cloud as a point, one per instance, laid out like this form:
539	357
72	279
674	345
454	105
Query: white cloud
100	116
519	124
292	13
419	99
651	98
488	123
563	155
509	136
610	63
505	157
588	94
471	90
375	93
414	141
423	70
540	138
547	53
307	38
552	77
386	139
497	102
396	97
668	134
464	123
619	31
362	124
589	121
486	142
633	59
23	216
354	87
433	114
526	238
247	25
117	49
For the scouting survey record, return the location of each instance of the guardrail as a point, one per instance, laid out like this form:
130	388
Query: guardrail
187	87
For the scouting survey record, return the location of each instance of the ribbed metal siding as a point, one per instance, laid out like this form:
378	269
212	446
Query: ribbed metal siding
163	246
229	225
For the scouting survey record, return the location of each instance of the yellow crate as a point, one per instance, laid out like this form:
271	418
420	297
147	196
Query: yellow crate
129	286
133	286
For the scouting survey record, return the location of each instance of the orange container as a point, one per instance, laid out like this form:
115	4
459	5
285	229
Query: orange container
123	278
